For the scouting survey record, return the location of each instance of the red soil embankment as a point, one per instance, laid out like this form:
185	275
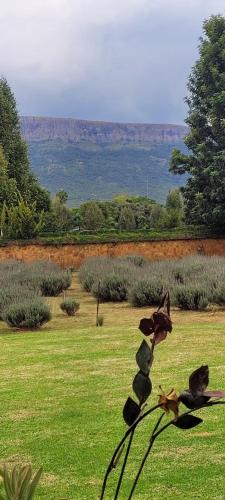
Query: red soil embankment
74	255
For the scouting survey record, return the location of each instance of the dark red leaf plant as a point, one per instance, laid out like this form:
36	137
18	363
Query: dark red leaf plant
194	397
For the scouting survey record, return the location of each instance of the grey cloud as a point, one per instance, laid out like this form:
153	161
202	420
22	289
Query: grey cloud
120	60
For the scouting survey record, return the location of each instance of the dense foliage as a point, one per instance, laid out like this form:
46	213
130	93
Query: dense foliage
122	213
27	314
26	208
194	282
129	213
70	306
192	297
22	220
204	192
54	283
22	200
100	171
112	288
144	292
91	216
15	151
22	287
8	186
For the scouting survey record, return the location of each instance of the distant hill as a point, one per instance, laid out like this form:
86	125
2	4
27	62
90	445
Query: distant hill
96	160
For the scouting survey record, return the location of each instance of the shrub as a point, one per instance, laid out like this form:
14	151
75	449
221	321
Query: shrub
69	306
18	482
23	221
54	283
178	276
112	288
88	282
136	260
27	314
92	270
145	293
208	273
14	293
219	295
191	297
100	320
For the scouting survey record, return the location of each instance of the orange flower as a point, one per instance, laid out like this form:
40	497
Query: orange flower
169	402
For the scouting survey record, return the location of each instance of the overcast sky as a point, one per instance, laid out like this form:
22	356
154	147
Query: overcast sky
116	60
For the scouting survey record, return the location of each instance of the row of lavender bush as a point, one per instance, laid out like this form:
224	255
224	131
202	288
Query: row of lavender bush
23	287
194	282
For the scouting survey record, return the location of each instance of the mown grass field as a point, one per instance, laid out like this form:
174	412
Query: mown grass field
62	392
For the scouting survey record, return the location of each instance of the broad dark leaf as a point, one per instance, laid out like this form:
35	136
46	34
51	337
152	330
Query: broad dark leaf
165	303
131	411
187	421
144	357
142	386
192	400
146	326
199	379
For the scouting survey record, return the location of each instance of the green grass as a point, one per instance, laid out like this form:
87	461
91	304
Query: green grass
63	389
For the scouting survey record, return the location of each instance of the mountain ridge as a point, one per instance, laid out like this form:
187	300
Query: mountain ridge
99	132
97	160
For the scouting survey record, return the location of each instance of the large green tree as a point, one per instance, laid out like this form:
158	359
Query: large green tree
8	189
91	216
174	209
204	193
14	147
21	221
126	218
15	151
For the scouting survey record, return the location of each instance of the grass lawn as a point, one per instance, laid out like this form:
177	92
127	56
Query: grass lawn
63	389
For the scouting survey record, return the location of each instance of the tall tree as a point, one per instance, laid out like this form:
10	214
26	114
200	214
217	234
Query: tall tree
15	150
8	188
21	221
91	215
174	209
62	195
126	218
14	147
204	193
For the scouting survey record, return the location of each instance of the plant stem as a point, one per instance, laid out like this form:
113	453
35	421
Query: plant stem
153	344
140	468
127	433
129	446
124	464
98	301
156	434
152	439
209	404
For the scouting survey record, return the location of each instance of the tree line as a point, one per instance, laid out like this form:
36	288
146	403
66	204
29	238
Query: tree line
26	208
123	212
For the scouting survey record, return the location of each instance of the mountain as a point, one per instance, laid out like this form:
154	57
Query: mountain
96	160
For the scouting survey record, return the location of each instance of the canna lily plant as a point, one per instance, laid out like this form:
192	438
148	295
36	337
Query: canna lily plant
134	412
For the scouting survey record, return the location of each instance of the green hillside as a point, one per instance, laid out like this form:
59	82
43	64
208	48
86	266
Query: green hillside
88	170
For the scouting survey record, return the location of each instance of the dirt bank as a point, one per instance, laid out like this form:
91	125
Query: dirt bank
74	255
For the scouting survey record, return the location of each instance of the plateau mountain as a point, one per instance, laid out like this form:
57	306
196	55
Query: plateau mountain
97	160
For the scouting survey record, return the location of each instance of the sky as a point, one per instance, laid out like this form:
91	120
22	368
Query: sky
111	60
